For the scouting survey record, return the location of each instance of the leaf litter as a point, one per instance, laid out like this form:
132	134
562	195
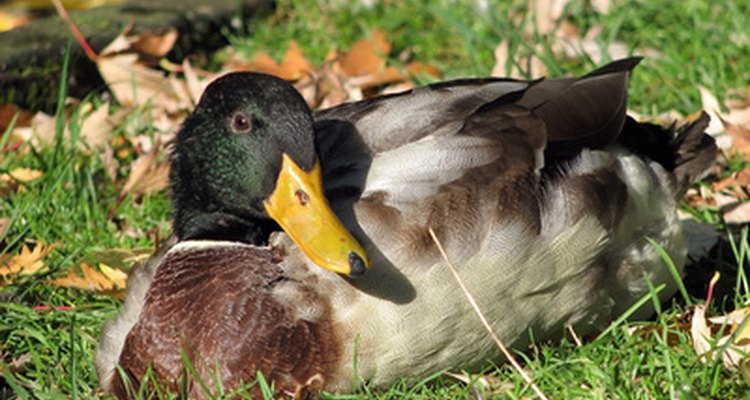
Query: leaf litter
28	262
140	79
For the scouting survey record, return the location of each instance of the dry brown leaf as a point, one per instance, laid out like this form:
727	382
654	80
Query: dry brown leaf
154	45
155	180
547	13
10	20
295	64
4	222
147	174
740	138
699	331
398	88
293	67
601	6
734	343
24	175
8	112
523	64
738	215
502	55
133	84
735	184
96	128
41	131
366	56
732	128
568	42
12	180
118	278
483	385
109	162
121	258
26	263
195	86
93	279
308	87
344	76
335	91
712	106
387	75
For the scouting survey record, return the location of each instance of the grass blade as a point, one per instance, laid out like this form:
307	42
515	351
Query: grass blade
676	275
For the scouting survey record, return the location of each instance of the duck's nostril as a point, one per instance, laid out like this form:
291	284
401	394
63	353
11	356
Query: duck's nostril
356	265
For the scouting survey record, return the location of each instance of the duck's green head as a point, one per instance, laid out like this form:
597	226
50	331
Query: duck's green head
247	155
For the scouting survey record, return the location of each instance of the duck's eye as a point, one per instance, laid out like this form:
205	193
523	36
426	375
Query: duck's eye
241	123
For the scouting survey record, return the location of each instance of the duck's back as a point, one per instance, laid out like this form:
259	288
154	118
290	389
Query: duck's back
458	156
542	192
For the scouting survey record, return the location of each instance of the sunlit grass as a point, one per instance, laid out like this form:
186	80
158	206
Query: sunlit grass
77	205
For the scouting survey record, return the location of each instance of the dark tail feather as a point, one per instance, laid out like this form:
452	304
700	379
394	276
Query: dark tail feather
687	152
624	64
694	151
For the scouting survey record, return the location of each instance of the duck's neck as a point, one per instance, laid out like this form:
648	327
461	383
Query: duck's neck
219	225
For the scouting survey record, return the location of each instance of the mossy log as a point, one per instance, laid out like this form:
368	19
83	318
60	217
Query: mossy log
31	56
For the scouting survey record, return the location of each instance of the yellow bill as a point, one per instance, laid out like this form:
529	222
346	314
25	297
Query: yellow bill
299	206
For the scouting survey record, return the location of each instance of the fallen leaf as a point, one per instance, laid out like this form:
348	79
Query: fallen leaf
96	128
25	263
133	84
568	43
93	279
523	63
9	111
195	86
293	66
4	222
147	174
738	215
121	258
601	6
418	68
366	56
117	277
155	45
699	331
10	20
727	336
731	128
25	175
712	107
740	138
502	65
547	13
18	364
41	131
737	184
109	162
483	385
10	181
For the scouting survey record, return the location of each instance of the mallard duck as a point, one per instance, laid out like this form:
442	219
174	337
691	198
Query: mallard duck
544	195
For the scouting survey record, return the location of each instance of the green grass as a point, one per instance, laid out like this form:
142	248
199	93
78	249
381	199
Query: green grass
76	204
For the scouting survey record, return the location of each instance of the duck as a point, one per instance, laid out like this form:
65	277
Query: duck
304	241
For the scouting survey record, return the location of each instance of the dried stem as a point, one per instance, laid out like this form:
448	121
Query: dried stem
575	336
711	285
90	53
486	323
